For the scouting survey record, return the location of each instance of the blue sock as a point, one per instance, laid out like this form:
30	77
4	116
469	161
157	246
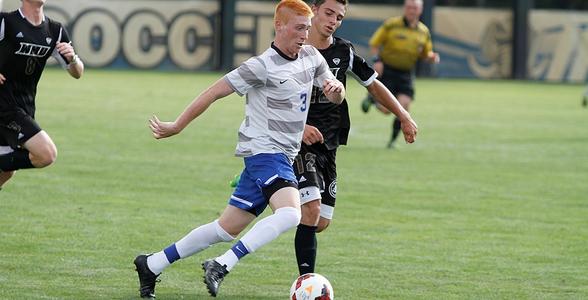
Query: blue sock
240	250
171	253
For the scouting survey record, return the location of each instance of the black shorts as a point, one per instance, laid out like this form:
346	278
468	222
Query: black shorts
316	172
398	82
16	127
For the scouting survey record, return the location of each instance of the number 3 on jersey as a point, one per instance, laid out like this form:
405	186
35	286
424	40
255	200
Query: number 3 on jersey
303	97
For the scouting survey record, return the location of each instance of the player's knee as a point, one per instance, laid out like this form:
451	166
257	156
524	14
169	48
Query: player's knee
224	235
311	212
289	215
323	225
45	157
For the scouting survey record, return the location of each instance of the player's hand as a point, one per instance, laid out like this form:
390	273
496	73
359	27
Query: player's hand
161	129
67	50
2	78
332	87
434	57
409	129
312	135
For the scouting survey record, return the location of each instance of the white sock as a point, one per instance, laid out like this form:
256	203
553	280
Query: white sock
228	259
263	232
157	262
194	242
202	238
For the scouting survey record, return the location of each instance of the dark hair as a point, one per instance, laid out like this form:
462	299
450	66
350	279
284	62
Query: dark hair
320	2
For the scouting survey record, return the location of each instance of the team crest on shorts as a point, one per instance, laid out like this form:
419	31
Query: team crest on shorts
333	189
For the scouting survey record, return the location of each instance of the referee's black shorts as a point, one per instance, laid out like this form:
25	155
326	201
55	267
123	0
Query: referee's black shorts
398	81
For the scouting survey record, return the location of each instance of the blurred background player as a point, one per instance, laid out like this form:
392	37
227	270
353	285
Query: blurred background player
328	127
278	84
27	39
585	99
397	45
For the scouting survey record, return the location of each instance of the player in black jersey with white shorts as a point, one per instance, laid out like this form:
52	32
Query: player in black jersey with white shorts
327	127
27	39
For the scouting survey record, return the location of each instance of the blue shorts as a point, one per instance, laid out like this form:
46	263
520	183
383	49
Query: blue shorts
260	171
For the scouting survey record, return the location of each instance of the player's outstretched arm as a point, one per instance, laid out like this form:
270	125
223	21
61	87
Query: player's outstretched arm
160	129
383	96
2	79
334	90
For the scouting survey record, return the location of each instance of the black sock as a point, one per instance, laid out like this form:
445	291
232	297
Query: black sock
305	245
395	129
16	160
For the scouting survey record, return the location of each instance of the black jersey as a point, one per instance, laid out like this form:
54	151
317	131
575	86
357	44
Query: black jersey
24	50
332	120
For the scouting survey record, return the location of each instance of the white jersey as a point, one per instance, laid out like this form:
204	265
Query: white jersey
278	90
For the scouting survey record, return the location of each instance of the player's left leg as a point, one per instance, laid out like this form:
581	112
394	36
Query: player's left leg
42	150
32	147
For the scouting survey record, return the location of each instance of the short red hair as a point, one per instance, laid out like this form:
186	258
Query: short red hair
287	7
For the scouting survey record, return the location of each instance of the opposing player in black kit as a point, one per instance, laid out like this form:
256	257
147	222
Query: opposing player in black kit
27	39
328	126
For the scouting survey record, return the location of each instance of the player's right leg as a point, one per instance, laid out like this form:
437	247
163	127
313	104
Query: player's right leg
305	242
310	184
268	178
319	213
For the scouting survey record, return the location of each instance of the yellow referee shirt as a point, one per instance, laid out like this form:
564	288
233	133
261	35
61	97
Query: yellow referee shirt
401	46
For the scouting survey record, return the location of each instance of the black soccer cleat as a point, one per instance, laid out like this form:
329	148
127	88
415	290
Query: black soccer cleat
366	103
214	274
147	279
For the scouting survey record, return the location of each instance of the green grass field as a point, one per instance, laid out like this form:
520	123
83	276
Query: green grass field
491	202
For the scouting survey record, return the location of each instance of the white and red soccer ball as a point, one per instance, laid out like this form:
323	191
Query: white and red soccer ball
311	286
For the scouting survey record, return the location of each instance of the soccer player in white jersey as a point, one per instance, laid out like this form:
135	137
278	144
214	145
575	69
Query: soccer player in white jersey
278	85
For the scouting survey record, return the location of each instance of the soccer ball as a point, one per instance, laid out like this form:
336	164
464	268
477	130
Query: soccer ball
311	286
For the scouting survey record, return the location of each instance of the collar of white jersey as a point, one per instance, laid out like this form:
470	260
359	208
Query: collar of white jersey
282	54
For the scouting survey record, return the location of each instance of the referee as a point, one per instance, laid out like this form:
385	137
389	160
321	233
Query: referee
397	45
